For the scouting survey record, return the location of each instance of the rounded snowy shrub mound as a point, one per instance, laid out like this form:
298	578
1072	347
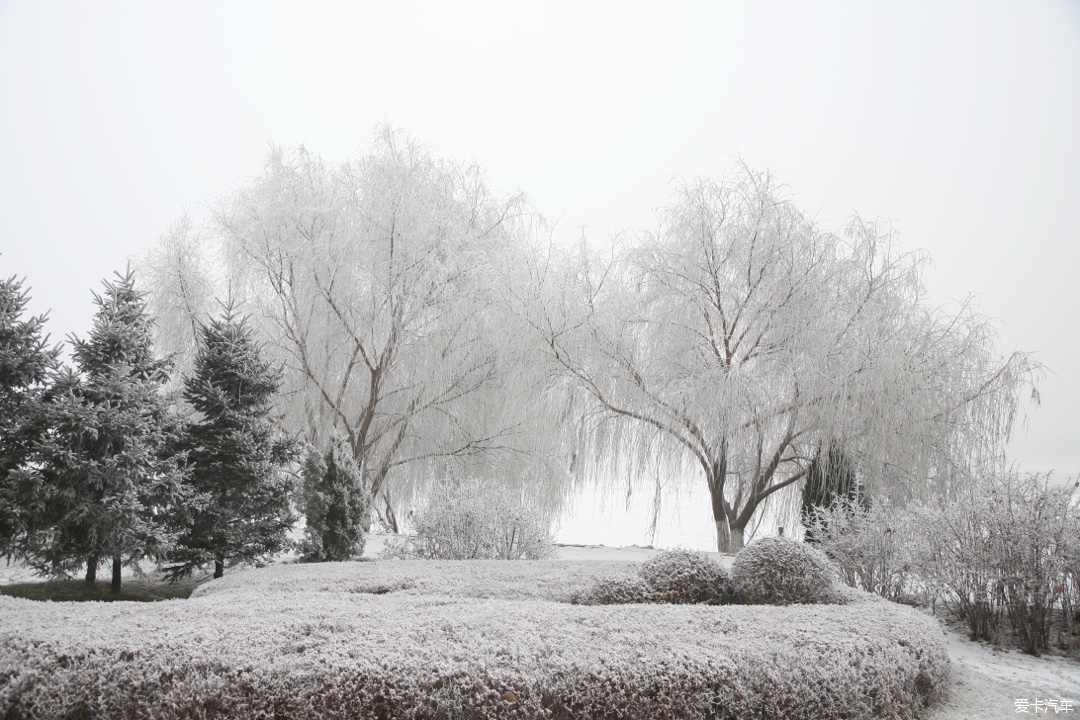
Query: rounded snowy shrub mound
676	577
776	571
685	577
612	591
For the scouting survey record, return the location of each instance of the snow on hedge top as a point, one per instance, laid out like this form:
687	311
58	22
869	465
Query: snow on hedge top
536	579
451	639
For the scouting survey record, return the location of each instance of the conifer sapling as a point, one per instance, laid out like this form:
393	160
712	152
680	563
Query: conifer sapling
335	504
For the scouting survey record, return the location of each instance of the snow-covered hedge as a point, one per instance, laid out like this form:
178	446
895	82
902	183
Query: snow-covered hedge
616	590
777	571
383	640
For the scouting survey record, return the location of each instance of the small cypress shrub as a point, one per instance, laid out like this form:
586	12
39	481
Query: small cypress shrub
335	504
777	571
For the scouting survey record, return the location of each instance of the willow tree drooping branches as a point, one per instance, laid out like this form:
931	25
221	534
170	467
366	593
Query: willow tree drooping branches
372	280
740	337
183	271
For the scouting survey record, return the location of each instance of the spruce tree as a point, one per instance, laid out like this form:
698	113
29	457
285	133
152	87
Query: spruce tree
335	504
25	361
235	456
108	473
830	480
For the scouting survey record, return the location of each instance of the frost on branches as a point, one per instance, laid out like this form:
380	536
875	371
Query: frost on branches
466	521
416	313
370	282
1002	556
739	337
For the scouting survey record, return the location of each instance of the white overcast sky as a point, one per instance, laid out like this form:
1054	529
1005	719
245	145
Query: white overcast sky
956	120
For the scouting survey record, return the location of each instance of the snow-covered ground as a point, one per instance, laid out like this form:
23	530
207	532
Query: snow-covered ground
986	682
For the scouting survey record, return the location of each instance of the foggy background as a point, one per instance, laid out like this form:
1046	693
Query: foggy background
957	121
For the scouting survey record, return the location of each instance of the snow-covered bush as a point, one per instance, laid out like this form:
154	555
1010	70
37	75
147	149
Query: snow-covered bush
1003	557
464	523
955	559
479	639
679	577
1005	552
613	591
871	546
686	577
777	571
335	503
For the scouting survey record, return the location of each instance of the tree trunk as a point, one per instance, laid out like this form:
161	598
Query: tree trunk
91	570
391	518
219	566
374	483
116	564
729	540
373	506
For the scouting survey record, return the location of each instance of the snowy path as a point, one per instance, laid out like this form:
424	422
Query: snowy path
986	683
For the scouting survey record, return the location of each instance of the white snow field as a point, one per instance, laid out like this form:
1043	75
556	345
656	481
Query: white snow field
493	639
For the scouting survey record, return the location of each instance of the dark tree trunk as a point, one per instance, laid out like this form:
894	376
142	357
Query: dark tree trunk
219	566
116	564
375	488
91	571
729	538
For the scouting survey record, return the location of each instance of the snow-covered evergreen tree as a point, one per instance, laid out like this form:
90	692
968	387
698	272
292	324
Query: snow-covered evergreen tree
235	454
108	472
335	504
25	360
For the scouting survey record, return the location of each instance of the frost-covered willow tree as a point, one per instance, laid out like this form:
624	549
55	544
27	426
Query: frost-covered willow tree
373	281
739	337
184	273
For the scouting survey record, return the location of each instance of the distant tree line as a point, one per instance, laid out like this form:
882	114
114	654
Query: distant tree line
413	328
